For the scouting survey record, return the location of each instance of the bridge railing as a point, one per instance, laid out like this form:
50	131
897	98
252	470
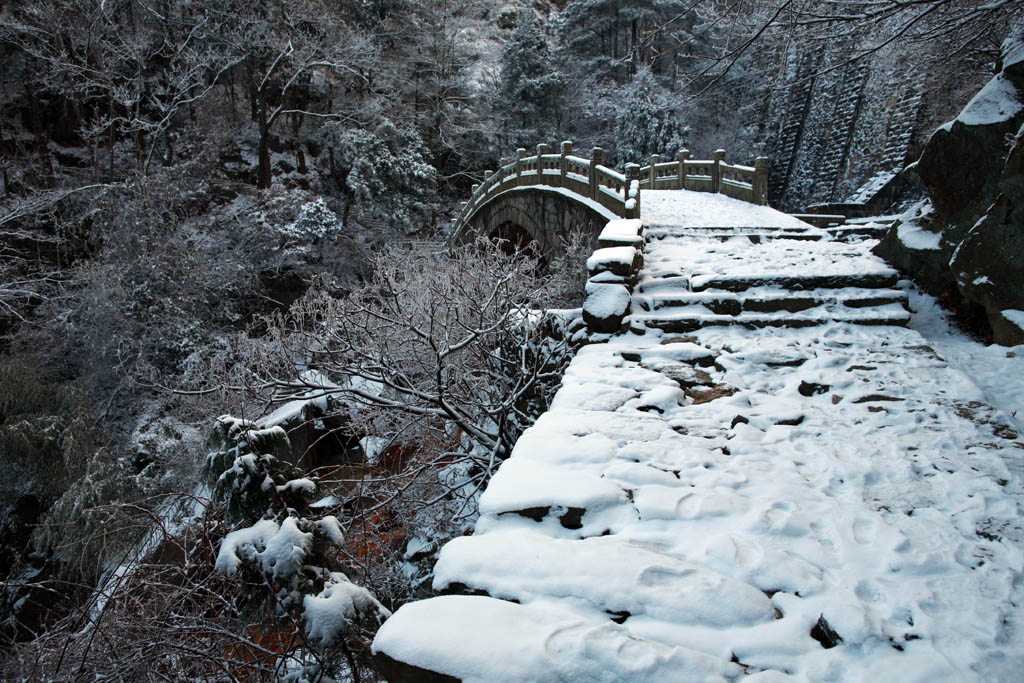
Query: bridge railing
748	183
618	193
588	178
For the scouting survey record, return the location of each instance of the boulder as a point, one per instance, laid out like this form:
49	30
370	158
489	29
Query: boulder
399	672
605	306
968	238
686	376
961	164
914	244
989	263
1008	327
622	261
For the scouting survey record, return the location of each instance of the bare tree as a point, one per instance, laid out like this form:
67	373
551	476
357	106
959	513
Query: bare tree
125	68
436	366
452	349
282	47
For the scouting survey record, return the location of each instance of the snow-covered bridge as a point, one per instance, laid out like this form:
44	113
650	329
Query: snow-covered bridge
542	198
737	481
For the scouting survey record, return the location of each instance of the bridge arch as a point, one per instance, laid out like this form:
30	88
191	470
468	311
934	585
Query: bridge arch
544	215
546	196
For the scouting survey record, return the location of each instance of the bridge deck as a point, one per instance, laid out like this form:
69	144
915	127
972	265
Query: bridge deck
688	209
721	500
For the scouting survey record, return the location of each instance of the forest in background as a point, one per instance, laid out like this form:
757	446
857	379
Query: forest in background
189	189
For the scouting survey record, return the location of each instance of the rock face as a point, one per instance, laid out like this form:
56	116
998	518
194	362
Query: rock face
970	236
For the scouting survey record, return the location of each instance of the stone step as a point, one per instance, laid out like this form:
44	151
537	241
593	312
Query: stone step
794	282
841	232
654	233
771	301
692	319
739	283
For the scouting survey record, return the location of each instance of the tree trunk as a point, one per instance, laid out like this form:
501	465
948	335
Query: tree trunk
168	156
634	56
264	177
229	86
253	94
112	138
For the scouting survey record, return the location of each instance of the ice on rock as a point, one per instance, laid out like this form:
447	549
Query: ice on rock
659	399
998	101
687	209
618	260
592	396
1014	316
916	237
673	503
767	568
670	354
553	441
625	232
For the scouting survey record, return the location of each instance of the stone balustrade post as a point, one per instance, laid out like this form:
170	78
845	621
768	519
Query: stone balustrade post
761	180
596	159
632	177
653	172
502	163
716	171
520	154
542	149
565	151
682	158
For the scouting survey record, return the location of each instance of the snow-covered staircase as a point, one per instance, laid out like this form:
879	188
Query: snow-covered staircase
830	502
758	275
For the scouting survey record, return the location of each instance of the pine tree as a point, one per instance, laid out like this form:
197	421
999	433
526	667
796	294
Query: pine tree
531	88
648	123
368	166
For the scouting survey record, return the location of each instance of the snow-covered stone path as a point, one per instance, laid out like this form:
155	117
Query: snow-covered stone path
825	502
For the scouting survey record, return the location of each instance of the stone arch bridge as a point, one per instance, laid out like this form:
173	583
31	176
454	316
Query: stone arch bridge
542	198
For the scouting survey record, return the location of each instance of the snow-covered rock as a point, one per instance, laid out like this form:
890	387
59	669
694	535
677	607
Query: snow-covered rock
605	306
480	640
973	242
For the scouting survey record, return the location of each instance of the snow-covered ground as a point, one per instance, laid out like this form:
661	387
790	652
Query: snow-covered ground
828	503
998	370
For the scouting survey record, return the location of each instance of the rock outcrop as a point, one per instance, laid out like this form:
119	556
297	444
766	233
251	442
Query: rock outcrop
968	238
989	263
